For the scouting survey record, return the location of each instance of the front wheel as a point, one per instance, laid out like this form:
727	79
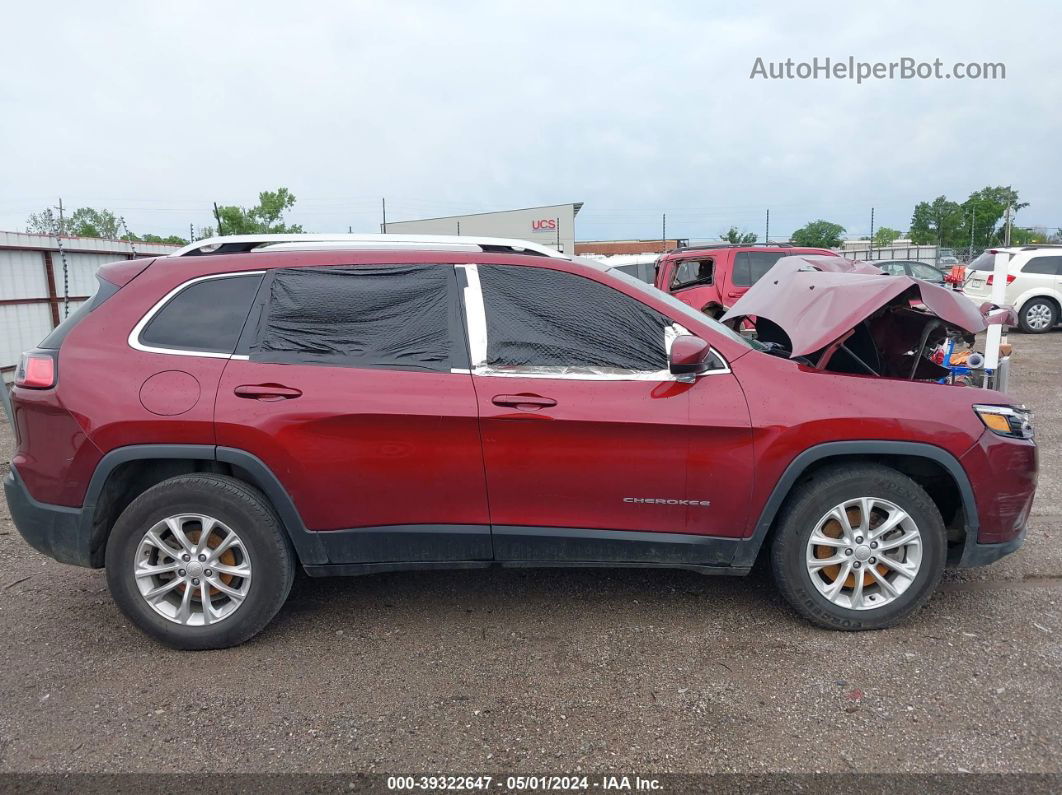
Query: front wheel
858	547
199	562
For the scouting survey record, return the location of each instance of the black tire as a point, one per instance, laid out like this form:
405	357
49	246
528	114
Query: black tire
236	504
1040	307
810	502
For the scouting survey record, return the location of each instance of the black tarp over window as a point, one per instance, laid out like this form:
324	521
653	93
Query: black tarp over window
538	317
401	316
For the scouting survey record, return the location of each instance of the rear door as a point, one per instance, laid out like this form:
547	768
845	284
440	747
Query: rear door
748	268
585	432
353	388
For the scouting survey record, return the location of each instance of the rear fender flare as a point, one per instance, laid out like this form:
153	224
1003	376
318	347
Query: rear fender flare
307	544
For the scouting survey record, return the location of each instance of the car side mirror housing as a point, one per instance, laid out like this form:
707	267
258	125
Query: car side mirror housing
689	355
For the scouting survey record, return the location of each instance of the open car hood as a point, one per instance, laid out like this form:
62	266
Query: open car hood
812	305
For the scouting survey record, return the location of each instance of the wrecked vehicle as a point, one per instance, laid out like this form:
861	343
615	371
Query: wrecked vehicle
212	419
840	315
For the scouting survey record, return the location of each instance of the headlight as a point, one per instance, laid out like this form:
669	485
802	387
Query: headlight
1012	421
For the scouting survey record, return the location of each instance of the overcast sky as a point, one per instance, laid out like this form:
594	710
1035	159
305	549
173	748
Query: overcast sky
157	109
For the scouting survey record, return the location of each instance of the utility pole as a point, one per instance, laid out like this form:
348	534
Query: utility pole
1006	235
459	229
663	233
62	223
767	230
557	222
973	215
191	233
383	209
217	217
872	228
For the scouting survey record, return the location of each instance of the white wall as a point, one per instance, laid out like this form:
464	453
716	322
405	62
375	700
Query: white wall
542	225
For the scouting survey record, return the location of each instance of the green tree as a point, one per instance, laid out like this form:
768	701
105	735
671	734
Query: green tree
732	235
936	223
174	239
819	234
46	222
885	237
264	218
87	222
986	209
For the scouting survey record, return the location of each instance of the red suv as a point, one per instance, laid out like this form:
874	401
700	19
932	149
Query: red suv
712	278
211	419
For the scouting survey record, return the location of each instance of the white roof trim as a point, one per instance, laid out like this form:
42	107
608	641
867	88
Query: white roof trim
368	241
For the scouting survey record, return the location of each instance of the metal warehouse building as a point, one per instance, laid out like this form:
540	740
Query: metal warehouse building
39	285
552	225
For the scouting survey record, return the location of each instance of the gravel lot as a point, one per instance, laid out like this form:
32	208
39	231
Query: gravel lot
552	671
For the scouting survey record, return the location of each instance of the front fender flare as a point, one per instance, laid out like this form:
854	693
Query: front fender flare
750	548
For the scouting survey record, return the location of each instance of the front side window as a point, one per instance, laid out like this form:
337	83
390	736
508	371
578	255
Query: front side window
693	272
545	320
750	266
393	317
207	316
1048	266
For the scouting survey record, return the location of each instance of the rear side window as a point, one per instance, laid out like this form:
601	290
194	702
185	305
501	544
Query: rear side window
398	317
1049	266
541	318
985	262
103	292
750	266
205	317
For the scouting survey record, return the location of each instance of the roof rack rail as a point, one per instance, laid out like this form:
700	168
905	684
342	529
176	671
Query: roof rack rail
242	244
702	246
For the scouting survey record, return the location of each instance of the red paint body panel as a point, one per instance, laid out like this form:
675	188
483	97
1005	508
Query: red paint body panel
573	464
360	447
838	407
1004	473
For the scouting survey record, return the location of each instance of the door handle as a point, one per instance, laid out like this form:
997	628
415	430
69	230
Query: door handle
525	402
266	392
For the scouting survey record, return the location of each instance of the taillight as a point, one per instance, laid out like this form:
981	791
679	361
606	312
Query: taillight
991	277
36	371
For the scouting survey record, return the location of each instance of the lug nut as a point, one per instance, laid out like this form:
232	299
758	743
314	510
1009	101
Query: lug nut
873	544
208	573
181	572
186	557
857	564
848	552
195	581
872	560
859	539
202	557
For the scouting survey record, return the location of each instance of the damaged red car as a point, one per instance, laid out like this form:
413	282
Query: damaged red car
213	419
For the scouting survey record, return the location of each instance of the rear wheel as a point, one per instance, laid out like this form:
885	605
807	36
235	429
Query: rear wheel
199	562
1038	316
859	547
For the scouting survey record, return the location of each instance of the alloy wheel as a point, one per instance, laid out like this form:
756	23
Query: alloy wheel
192	569
864	553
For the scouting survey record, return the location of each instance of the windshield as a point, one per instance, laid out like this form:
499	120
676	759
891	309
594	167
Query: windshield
684	310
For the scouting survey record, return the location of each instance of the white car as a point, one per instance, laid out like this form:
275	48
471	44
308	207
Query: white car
1034	284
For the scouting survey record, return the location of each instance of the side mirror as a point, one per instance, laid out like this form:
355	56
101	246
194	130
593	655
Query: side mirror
689	355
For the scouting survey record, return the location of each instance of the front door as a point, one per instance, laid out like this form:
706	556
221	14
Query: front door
587	438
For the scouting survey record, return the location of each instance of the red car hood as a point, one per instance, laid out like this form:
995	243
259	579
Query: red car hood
816	300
